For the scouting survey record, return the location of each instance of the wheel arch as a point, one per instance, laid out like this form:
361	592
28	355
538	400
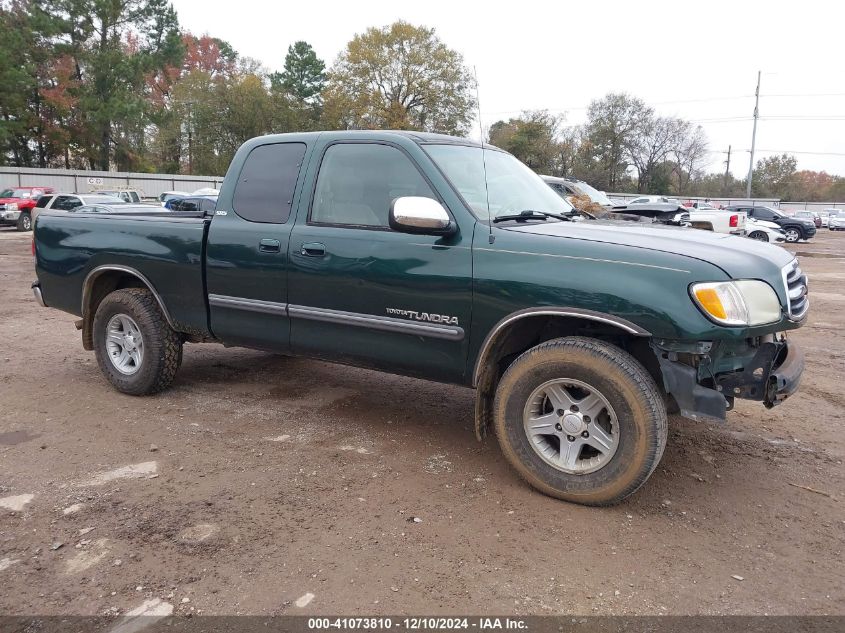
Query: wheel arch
522	330
102	281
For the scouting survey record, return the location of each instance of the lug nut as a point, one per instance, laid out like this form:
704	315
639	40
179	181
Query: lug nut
561	412
574	408
558	427
587	419
571	438
585	434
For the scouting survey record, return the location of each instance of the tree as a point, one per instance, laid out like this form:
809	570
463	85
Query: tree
115	45
773	177
534	138
304	74
650	146
612	125
690	155
399	76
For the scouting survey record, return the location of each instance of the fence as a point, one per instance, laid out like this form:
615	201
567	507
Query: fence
81	181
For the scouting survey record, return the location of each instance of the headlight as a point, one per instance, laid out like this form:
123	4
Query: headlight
744	302
12	206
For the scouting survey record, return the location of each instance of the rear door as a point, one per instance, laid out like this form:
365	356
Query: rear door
247	251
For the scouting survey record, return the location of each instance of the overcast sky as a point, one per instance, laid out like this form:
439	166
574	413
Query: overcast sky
697	60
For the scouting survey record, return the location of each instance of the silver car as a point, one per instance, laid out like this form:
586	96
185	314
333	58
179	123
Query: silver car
836	221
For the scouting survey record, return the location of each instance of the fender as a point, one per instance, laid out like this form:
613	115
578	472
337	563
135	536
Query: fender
591	315
88	284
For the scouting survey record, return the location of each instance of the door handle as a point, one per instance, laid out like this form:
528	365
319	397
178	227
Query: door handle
313	249
269	246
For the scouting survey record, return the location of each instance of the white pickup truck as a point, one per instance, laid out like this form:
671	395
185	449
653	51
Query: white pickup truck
706	216
702	215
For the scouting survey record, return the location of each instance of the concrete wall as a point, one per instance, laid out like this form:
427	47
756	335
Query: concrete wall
81	181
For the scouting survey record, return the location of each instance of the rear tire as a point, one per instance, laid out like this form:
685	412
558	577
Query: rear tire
136	349
793	235
626	403
24	221
759	236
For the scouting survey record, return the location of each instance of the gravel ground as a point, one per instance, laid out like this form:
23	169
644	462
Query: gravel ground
261	484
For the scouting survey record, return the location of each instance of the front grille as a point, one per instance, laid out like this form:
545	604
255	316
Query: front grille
796	290
2	206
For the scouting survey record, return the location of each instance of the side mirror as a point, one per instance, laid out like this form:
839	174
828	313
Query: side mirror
418	215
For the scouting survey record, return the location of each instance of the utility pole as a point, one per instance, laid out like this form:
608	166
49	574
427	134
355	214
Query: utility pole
753	136
727	169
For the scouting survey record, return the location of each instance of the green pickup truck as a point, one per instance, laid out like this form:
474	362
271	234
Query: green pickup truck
432	256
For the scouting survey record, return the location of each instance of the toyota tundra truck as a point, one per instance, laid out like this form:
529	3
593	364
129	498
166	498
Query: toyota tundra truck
435	257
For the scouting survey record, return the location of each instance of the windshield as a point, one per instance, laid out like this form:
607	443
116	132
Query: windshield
595	195
511	186
15	193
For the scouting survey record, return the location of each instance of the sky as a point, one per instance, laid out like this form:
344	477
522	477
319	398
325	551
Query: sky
696	60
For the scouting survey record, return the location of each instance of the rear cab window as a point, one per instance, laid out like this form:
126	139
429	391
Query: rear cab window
43	201
265	188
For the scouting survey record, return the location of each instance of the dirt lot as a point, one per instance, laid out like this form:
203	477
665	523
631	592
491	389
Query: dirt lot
265	485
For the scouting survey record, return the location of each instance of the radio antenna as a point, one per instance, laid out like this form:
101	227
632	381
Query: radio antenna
490	238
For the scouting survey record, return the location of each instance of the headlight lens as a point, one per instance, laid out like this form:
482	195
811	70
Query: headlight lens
743	302
12	206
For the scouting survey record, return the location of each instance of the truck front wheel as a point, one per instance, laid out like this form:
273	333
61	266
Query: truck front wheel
138	352
580	420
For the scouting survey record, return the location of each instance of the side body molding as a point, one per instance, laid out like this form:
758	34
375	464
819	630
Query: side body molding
622	324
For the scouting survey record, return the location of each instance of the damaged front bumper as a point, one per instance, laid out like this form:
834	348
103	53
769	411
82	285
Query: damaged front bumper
770	375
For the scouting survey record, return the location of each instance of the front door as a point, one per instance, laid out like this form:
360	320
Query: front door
364	294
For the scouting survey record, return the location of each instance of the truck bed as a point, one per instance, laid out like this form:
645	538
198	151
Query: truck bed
167	249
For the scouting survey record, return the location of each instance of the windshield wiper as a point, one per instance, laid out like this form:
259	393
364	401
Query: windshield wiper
530	214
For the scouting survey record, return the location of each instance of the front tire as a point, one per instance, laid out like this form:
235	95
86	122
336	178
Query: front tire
792	235
136	349
759	236
580	420
24	221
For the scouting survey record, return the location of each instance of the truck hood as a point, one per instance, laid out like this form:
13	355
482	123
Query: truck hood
7	200
739	257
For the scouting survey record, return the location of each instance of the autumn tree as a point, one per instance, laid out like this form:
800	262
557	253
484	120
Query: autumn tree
402	77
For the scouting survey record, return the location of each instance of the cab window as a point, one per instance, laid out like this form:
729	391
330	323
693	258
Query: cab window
358	182
66	203
266	184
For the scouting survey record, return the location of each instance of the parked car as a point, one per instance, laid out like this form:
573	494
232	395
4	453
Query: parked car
764	231
16	204
836	221
206	191
814	217
127	195
830	212
794	229
165	196
430	256
658	213
192	203
653	200
70	201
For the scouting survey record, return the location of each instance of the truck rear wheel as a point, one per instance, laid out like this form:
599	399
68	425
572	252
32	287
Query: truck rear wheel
24	221
138	352
580	420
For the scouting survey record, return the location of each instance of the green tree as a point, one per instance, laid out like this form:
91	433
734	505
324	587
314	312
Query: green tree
304	75
774	177
613	123
534	138
399	76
